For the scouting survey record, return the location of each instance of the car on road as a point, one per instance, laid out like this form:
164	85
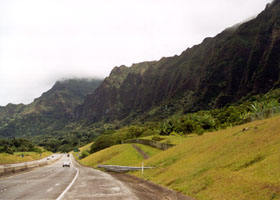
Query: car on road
66	164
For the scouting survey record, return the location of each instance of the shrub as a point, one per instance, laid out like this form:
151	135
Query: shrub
102	142
84	154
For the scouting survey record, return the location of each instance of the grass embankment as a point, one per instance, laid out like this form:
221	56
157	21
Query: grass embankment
228	164
17	157
171	139
123	154
83	148
86	147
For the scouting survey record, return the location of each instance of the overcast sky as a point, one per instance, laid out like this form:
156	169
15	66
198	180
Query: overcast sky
42	41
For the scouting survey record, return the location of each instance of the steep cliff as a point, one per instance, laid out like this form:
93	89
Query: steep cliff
238	62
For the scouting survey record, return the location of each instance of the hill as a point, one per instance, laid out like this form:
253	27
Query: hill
241	61
48	114
237	163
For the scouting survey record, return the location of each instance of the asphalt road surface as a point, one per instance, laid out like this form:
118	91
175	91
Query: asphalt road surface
54	182
97	185
43	183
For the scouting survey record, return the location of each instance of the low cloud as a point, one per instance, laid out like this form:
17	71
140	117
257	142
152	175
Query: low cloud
47	40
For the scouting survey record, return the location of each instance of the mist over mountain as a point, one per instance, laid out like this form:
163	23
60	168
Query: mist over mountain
238	62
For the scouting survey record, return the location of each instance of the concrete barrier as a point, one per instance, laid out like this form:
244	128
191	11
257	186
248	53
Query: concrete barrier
15	168
155	144
1	169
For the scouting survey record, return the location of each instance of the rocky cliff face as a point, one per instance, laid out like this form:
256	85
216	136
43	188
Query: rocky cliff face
238	62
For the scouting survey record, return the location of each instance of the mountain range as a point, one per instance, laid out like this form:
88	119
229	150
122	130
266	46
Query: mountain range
241	61
51	111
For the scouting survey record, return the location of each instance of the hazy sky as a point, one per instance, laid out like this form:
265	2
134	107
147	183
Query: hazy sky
42	41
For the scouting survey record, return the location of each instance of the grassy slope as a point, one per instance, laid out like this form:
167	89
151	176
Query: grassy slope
16	157
172	139
150	151
86	147
228	164
123	154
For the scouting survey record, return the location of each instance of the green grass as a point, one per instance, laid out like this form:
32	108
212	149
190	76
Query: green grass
150	151
172	139
83	148
86	147
123	154
242	162
228	164
16	157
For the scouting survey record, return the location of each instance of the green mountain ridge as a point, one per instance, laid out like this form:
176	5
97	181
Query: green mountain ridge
51	111
239	62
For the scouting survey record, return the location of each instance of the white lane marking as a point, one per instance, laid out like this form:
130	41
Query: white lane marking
50	189
70	185
57	184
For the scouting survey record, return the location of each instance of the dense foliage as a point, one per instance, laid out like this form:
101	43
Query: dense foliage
250	109
17	145
113	137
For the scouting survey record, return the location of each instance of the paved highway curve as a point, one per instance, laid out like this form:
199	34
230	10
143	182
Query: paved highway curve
46	182
50	182
54	182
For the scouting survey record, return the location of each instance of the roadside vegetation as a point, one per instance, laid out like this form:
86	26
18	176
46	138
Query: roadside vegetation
237	163
18	150
123	154
10	146
19	157
241	162
187	124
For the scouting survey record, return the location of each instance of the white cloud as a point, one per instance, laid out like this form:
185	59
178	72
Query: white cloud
45	40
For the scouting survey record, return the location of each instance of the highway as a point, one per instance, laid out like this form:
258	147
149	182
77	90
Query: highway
42	183
97	185
54	182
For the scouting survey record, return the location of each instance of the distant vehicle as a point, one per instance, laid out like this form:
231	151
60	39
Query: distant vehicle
68	155
66	164
52	156
48	158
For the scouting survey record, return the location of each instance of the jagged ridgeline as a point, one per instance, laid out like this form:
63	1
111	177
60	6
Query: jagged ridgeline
48	113
241	61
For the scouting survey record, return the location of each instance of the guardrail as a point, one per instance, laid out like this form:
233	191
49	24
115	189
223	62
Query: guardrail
117	168
19	167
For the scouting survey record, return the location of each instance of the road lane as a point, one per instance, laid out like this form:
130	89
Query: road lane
97	185
44	183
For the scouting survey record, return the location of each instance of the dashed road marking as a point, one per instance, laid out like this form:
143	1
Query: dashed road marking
50	189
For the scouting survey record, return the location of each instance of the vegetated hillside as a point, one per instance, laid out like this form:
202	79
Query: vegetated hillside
240	61
48	113
236	163
122	154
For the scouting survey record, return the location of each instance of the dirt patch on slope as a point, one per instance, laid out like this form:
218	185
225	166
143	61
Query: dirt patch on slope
145	156
146	190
